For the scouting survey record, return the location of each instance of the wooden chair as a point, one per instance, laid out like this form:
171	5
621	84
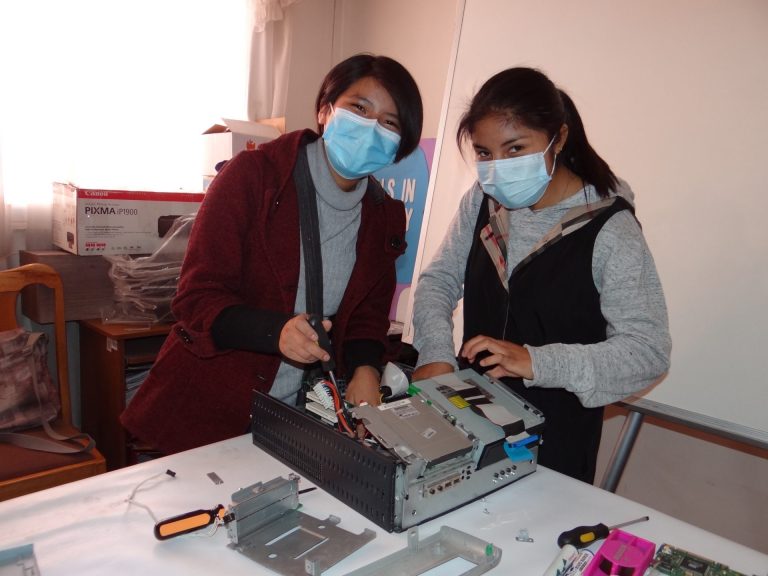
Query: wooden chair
21	470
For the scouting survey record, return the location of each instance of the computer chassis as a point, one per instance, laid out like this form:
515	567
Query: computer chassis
392	484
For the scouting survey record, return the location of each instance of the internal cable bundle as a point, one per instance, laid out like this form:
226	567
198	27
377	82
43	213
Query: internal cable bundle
327	395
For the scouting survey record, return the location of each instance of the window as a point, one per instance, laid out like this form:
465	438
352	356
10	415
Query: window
115	94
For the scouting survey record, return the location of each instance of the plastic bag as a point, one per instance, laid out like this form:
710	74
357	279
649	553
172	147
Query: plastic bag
145	285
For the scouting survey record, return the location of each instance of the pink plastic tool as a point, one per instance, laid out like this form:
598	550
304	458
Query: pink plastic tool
623	554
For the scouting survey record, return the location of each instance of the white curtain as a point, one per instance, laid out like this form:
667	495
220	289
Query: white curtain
270	58
5	219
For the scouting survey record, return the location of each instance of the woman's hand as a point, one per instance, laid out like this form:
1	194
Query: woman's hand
431	370
364	387
298	341
507	358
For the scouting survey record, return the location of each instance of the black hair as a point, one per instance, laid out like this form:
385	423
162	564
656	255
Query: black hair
527	96
394	78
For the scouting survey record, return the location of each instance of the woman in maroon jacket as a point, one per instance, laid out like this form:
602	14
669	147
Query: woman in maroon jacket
241	302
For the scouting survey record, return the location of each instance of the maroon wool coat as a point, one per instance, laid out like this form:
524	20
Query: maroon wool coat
244	250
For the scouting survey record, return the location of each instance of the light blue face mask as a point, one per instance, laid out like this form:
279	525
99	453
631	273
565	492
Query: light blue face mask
516	182
357	146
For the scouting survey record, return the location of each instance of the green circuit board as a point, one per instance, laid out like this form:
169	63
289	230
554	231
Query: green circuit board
676	562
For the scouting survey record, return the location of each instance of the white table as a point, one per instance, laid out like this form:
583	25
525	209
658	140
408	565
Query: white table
88	528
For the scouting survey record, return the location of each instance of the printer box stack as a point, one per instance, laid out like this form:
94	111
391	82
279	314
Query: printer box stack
93	222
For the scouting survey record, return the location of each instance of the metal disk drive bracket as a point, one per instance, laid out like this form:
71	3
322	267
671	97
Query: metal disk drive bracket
267	527
444	546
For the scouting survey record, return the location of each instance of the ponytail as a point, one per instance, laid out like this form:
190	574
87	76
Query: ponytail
579	156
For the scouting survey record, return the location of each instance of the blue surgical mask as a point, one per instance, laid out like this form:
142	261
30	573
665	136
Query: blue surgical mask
516	182
357	146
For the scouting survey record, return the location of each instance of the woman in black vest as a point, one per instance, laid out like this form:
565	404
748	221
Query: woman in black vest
562	300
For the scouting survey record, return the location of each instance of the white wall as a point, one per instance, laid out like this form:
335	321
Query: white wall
717	485
676	105
311	58
418	34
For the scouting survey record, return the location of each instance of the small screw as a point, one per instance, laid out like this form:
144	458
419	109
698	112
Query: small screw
523	536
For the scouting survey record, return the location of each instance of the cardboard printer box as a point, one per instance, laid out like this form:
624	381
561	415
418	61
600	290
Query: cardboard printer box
92	222
222	142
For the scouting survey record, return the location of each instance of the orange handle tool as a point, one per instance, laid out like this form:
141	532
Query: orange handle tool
188	522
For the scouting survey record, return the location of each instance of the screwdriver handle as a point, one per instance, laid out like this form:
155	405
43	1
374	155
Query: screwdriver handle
582	536
322	339
187	522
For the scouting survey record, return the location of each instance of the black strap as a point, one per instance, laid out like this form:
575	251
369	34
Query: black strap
310	234
43	444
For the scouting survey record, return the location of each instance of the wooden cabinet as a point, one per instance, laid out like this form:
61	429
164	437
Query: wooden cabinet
110	356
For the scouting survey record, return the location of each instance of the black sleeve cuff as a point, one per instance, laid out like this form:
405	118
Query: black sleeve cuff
362	353
243	328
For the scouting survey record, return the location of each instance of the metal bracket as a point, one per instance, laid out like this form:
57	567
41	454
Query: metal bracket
442	547
267	528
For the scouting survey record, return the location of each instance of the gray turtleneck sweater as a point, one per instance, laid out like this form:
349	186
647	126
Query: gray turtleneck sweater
339	215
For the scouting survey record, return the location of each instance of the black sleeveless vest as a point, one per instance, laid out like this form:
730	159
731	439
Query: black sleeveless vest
552	299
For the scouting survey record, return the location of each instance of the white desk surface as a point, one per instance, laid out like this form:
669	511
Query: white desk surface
87	527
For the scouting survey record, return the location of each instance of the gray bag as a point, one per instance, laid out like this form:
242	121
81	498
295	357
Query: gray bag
28	396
